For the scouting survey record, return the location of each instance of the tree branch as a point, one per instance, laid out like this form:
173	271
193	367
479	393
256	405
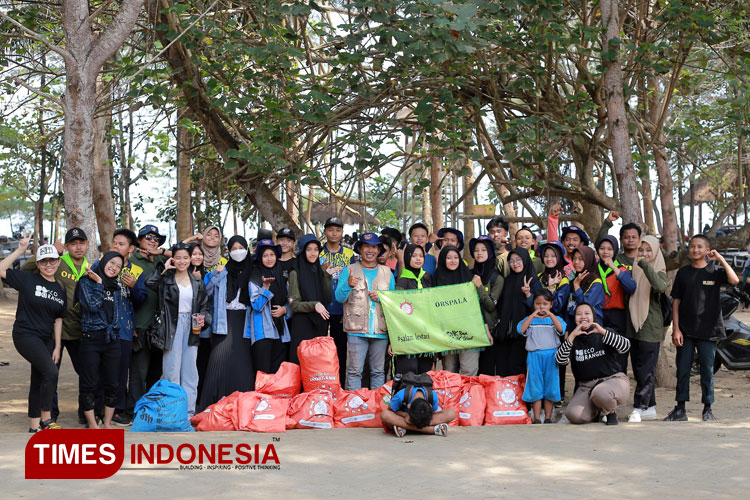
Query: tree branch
36	91
35	36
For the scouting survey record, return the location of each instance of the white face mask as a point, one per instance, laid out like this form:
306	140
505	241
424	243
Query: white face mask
238	255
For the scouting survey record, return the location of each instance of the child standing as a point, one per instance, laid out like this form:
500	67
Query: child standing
542	330
697	321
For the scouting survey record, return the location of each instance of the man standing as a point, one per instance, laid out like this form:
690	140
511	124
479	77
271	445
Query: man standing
285	238
334	258
73	265
145	363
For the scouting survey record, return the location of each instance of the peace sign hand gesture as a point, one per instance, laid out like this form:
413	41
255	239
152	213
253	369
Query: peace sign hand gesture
526	288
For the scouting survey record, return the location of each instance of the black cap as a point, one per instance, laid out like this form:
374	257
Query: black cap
333	221
75	233
285	232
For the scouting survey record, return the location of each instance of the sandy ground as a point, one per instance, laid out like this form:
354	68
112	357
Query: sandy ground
679	460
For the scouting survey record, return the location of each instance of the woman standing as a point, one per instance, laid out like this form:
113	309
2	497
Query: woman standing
230	365
451	270
182	296
486	278
413	277
198	269
645	326
269	305
101	300
37	329
509	349
309	291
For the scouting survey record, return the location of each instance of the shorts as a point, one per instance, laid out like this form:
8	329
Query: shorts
542	376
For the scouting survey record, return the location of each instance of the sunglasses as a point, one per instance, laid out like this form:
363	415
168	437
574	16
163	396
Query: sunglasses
152	237
180	246
47	262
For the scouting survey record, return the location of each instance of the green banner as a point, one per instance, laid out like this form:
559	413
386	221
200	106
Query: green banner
439	319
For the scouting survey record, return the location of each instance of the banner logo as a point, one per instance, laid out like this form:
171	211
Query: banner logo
75	454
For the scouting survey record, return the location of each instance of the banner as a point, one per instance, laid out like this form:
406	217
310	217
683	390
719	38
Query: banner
439	319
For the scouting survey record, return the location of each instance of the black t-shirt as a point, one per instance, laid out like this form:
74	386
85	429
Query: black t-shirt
699	292
286	267
591	358
40	303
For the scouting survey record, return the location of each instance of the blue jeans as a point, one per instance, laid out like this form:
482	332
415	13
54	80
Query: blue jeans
357	349
179	362
706	355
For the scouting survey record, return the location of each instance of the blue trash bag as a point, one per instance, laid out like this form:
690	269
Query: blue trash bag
162	409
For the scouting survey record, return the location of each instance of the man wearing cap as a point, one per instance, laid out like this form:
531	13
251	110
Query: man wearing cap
364	322
286	238
73	265
334	257
145	363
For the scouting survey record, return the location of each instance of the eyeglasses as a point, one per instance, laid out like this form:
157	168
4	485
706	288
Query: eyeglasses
515	261
110	265
47	262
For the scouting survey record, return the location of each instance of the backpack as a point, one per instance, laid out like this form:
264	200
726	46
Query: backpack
666	308
408	381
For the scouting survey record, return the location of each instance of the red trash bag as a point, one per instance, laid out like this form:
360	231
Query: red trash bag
319	365
285	383
504	403
222	415
447	385
472	404
311	410
198	417
261	413
357	409
381	396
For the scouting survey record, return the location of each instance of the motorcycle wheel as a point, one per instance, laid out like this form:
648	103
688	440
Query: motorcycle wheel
717	364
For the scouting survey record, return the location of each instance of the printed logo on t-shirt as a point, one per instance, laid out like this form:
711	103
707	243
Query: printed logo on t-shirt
587	354
709	283
43	292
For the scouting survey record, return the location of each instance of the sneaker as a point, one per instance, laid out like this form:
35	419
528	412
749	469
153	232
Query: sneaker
676	415
399	431
98	423
548	421
708	416
34	431
612	419
536	421
441	430
649	414
49	424
121	420
563	420
635	416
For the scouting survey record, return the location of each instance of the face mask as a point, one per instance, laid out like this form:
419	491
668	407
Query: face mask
238	255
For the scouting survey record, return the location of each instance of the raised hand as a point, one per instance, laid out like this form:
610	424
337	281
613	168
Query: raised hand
477	280
526	288
267	282
93	276
555	279
613	216
555	210
579	279
713	255
353	281
598	328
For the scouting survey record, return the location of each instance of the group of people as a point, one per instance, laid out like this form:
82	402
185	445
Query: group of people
208	314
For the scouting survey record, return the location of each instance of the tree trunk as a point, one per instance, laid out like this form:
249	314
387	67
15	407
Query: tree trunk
617	120
648	203
436	192
292	200
666	192
101	182
468	210
184	147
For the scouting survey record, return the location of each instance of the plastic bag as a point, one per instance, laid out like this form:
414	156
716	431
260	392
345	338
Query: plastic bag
319	365
222	415
447	386
381	396
285	383
504	403
357	409
162	409
473	403
261	413
311	410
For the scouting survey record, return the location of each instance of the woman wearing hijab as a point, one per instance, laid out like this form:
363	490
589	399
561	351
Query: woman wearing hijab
413	277
269	308
587	285
230	365
452	270
645	325
507	355
618	285
211	246
554	278
486	278
101	301
309	291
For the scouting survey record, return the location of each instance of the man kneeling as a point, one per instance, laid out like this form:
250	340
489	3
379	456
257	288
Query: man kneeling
418	411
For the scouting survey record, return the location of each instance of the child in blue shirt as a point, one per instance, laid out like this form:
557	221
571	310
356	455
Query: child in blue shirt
542	330
417	414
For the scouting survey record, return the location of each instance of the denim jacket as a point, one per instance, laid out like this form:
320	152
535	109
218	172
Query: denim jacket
93	318
216	287
133	297
259	323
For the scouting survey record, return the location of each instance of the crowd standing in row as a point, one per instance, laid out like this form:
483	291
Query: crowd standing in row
209	322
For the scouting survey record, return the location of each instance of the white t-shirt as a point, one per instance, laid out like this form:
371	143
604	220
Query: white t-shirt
186	298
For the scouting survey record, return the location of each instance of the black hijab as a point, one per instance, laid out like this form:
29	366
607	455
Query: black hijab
111	285
238	273
278	285
310	277
511	306
487	269
408	253
551	271
443	276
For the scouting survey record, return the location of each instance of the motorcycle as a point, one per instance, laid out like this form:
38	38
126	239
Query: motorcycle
734	351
